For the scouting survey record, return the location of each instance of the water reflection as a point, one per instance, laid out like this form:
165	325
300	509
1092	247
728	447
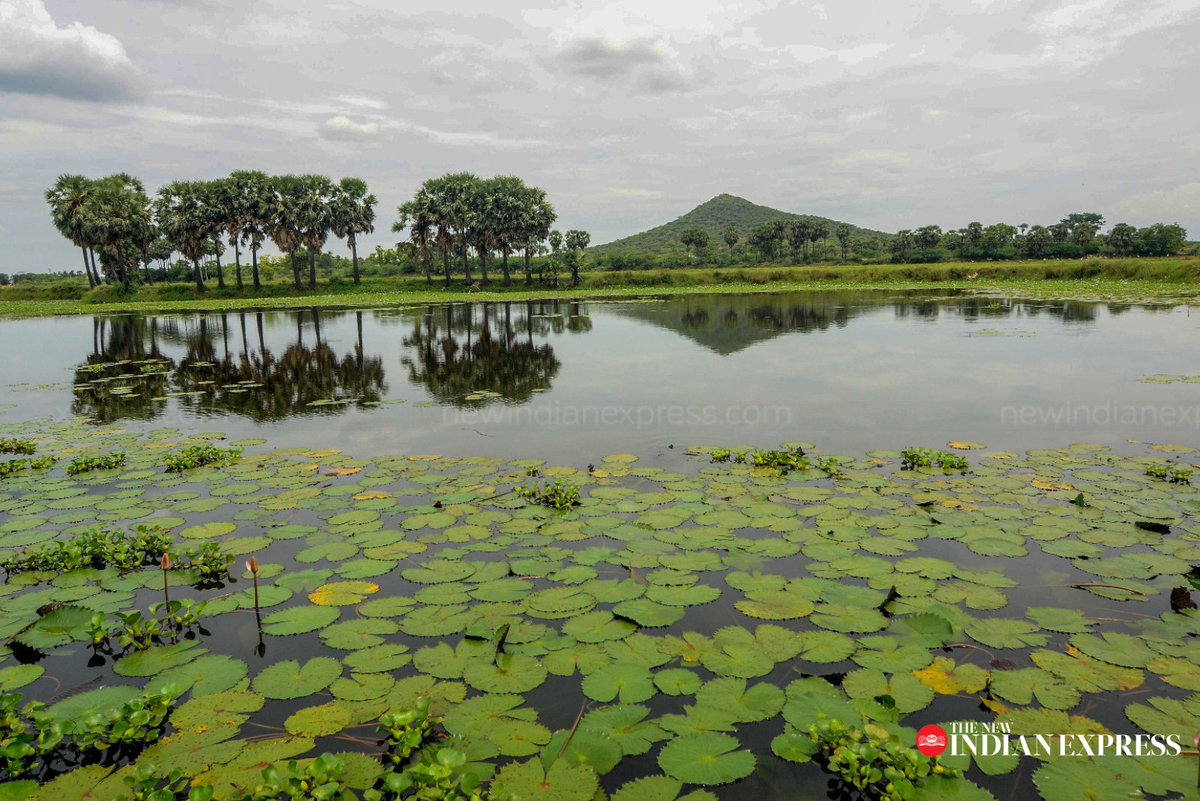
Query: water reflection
269	366
221	369
468	355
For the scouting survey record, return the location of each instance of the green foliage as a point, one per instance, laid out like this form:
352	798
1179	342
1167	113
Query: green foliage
911	458
721	455
96	548
873	761
31	739
200	455
146	784
783	461
406	731
10	466
830	466
1174	474
23	447
86	464
559	495
319	779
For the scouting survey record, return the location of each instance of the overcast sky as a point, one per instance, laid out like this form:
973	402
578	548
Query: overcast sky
884	114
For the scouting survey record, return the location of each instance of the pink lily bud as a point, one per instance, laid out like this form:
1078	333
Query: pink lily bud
166	561
252	565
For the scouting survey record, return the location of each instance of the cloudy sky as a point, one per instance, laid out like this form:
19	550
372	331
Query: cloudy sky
885	114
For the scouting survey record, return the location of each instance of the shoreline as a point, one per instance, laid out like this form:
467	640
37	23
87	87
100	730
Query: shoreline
1130	281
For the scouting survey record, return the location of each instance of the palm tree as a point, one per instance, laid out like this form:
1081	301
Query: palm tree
286	226
537	217
483	224
214	198
731	238
182	219
316	215
417	217
843	235
353	213
122	225
508	194
68	200
255	203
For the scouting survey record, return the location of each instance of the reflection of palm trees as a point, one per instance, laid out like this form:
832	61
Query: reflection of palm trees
124	372
457	354
216	376
255	383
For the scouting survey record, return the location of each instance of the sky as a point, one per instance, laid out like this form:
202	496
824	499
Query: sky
888	115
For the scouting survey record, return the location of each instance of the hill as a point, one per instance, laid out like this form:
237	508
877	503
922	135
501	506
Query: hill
714	216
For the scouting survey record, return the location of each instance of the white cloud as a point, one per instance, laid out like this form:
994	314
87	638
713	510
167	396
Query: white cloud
1173	204
76	61
343	129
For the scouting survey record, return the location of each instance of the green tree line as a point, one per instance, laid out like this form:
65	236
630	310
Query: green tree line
1074	236
115	218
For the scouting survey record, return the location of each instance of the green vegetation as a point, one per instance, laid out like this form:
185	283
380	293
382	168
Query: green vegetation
1093	278
1176	474
912	458
101	548
20	446
558	495
86	464
873	761
713	231
413	615
31	739
194	456
11	466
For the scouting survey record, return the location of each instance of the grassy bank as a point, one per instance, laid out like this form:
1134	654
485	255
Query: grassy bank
1099	279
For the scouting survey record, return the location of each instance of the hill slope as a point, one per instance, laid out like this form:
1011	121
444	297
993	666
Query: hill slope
714	216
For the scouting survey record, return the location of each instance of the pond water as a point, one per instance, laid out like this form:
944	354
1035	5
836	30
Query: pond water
709	599
850	371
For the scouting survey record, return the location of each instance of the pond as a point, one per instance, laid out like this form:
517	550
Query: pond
570	382
752	552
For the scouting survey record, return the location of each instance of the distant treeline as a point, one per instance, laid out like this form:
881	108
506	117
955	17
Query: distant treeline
1075	236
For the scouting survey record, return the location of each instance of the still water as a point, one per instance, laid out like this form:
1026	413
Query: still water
573	381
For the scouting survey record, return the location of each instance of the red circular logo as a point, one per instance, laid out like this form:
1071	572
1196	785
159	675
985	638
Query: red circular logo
932	740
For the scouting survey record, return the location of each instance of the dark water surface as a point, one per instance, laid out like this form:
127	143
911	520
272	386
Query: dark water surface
572	381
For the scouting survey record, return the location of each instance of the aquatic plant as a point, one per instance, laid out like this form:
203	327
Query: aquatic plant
872	760
98	548
782	460
11	466
31	738
406	731
194	456
830	466
86	464
1174	474
559	495
23	447
911	458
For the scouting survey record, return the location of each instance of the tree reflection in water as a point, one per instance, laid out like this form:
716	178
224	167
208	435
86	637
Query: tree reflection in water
212	378
469	354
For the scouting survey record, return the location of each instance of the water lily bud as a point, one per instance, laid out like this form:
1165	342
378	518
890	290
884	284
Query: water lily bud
252	565
166	561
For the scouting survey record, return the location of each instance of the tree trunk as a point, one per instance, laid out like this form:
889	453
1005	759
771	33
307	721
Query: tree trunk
220	269
237	260
296	271
466	265
528	273
312	269
504	267
446	264
87	269
199	277
354	257
428	265
483	265
96	270
254	266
